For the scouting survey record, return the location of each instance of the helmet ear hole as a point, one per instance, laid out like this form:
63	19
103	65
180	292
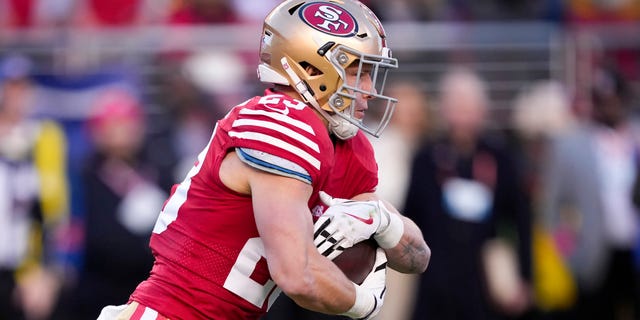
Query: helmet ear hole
323	88
310	69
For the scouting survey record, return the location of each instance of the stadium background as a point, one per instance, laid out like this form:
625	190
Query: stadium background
188	61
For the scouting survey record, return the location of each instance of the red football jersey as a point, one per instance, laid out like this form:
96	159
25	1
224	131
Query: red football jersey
209	258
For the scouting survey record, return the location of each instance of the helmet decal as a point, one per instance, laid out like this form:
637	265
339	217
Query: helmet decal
329	18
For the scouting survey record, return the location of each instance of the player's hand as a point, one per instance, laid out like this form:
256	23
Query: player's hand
344	224
347	222
370	294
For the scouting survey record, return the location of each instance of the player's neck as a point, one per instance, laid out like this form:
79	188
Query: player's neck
287	90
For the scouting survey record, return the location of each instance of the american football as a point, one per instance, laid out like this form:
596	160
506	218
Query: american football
356	262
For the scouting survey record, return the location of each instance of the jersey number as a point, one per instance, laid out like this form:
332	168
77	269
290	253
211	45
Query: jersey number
171	207
241	282
284	105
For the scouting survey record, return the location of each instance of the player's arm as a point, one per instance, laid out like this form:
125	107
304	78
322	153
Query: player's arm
411	254
285	226
286	229
366	215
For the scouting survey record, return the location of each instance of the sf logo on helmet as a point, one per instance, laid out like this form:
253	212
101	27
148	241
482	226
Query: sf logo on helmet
329	18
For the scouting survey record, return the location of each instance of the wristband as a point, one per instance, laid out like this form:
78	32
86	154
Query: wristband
364	305
390	236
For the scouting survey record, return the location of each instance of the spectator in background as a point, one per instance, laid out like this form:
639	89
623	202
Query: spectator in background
185	122
588	201
394	151
116	13
593	11
33	198
406	132
464	194
409	10
110	13
204	12
24	14
542	112
466	10
253	11
122	202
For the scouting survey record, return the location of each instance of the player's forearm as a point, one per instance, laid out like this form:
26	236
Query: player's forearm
323	287
412	254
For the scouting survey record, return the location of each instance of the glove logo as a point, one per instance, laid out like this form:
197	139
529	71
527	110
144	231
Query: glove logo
366	221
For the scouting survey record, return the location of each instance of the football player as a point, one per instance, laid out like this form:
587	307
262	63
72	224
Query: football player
239	229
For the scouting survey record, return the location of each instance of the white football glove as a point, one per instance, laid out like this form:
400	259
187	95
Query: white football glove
347	222
370	294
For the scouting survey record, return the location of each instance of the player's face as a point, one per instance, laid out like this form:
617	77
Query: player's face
361	78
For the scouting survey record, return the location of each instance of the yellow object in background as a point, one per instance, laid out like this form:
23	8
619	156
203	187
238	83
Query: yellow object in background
50	160
554	286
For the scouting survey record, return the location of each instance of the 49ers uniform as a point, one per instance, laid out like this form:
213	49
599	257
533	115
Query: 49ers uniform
209	259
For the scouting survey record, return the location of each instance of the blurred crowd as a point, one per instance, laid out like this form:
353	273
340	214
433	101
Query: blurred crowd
122	13
533	219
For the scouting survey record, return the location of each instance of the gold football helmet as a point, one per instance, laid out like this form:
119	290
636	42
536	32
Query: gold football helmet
329	36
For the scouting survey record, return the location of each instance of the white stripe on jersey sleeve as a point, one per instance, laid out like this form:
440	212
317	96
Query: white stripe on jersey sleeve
280	128
280	117
274	164
256	136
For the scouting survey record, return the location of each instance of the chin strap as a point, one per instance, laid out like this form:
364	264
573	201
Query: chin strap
343	129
